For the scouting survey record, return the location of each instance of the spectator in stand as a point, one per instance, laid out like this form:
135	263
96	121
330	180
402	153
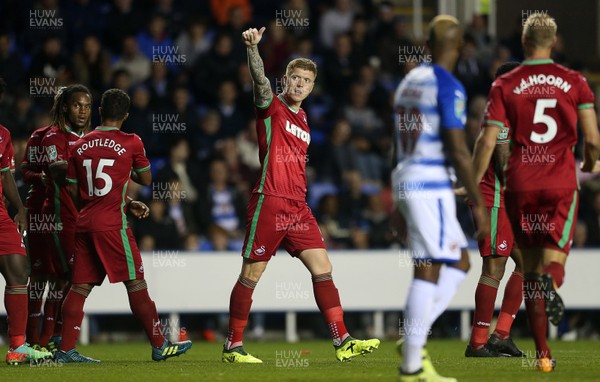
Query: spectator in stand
121	79
194	41
91	66
340	67
221	10
364	120
379	97
158	84
132	60
181	109
52	61
397	50
276	50
239	174
247	148
340	156
235	26
470	71
353	200
222	209
159	230
591	220
173	16
85	18
483	41
363	44
334	21
377	222
233	117
305	47
182	168
154	40
179	208
12	68
204	138
244	86
214	67
125	20
140	121
19	118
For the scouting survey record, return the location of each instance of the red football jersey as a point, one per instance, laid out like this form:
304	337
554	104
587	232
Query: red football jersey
56	145
100	164
492	185
32	165
7	161
283	139
539	100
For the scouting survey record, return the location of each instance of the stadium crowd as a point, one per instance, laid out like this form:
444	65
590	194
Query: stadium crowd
184	66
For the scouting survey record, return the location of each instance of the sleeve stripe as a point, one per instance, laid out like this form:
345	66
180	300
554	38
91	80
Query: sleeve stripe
57	163
267	105
5	169
142	169
492	122
71	180
585	106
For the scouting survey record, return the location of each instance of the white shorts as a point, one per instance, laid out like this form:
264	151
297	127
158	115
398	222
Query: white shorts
434	232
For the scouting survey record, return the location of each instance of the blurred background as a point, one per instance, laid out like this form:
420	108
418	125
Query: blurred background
184	66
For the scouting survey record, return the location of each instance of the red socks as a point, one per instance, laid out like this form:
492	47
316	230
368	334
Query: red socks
328	301
35	312
15	302
557	271
239	310
50	309
536	313
144	310
485	297
72	313
513	297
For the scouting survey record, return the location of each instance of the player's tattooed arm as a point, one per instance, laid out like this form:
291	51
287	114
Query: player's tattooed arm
262	86
501	155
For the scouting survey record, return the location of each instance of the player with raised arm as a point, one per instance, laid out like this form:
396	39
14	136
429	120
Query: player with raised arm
280	193
495	250
429	137
71	115
13	257
100	167
542	102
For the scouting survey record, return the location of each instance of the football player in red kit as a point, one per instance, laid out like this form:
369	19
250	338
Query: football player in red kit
279	197
101	165
543	102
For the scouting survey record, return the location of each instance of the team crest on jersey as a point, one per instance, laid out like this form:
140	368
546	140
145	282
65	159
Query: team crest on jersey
52	154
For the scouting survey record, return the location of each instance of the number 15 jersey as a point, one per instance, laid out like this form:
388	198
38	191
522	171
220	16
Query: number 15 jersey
539	100
101	163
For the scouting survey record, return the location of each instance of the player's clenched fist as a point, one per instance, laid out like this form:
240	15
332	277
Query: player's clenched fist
252	36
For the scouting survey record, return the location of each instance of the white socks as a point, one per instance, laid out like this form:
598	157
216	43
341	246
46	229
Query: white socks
447	285
416	323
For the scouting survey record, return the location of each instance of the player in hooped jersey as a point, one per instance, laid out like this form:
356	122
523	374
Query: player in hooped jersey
40	264
542	103
495	250
280	197
429	138
13	257
71	115
101	164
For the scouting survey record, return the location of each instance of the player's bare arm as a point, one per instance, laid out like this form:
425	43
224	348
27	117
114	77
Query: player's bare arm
261	84
455	146
483	150
9	188
142	177
591	138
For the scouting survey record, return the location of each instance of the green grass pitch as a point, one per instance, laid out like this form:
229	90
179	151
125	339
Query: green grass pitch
308	361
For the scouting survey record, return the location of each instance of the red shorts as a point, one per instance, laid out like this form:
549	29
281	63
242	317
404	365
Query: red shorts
273	221
112	253
40	262
500	241
11	241
543	218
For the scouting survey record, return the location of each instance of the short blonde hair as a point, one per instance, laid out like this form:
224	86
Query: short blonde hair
301	63
539	30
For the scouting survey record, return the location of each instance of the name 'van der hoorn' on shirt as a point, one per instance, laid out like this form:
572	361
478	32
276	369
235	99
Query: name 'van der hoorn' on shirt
98	142
542	79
